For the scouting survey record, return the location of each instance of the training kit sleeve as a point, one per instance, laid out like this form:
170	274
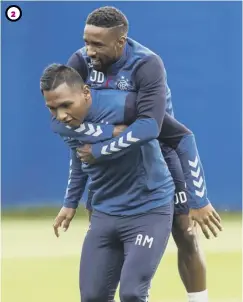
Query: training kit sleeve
87	132
77	178
182	140
151	103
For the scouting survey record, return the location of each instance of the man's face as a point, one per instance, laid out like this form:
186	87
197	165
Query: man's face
103	46
68	104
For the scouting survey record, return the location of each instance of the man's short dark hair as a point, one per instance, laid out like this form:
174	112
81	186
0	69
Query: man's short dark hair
56	74
108	17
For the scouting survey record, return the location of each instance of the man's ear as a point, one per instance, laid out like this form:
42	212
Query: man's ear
86	91
122	41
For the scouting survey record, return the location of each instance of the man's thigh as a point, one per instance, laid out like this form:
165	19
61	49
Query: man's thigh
174	165
145	238
101	260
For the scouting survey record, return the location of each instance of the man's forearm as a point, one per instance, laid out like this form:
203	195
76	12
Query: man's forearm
86	133
182	140
76	181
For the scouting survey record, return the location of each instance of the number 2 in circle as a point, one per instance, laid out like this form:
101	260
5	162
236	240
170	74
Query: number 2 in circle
13	13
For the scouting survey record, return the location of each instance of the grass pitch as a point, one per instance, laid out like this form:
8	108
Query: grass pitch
37	267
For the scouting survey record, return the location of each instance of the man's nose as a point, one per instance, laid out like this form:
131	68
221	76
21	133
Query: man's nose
61	115
91	52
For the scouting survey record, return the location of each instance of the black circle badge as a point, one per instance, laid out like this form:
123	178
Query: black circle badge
13	13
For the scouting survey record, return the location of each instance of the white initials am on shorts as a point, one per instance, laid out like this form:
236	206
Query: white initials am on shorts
144	240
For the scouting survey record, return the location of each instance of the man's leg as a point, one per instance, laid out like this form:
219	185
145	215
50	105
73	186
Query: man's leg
145	238
101	260
191	263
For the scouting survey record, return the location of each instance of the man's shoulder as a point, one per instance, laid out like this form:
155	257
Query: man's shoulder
139	54
140	50
80	62
80	54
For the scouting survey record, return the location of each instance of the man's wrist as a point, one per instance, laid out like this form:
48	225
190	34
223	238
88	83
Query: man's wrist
118	130
200	206
70	205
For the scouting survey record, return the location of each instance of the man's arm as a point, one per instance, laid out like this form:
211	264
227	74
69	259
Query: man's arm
86	133
182	140
76	182
151	103
75	188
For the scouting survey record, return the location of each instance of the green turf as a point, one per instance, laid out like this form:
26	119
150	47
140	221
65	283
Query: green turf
33	213
37	267
45	213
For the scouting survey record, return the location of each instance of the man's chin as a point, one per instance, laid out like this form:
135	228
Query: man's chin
98	67
74	124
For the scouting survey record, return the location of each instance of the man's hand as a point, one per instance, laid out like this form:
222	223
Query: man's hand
85	154
118	130
63	219
207	218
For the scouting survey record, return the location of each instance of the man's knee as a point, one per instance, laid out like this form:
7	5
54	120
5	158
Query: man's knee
134	291
185	236
130	294
94	296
